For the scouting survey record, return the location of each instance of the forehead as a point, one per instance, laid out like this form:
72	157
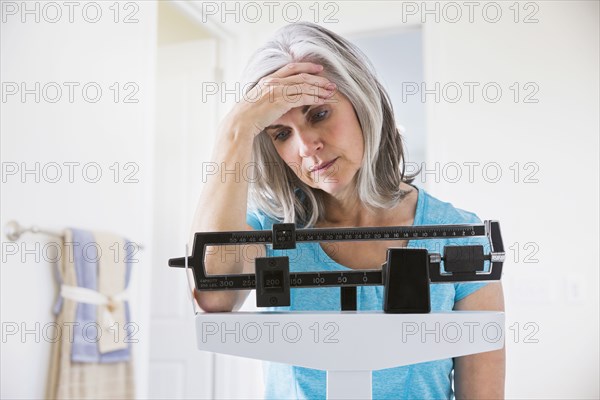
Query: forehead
298	113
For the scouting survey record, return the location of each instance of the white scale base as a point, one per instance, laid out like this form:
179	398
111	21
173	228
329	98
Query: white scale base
349	345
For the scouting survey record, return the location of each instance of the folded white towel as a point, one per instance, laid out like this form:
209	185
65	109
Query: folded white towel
111	283
89	296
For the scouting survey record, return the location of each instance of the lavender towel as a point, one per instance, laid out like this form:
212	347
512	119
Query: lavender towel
86	329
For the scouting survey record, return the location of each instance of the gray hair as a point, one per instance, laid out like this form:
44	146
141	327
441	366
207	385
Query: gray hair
278	191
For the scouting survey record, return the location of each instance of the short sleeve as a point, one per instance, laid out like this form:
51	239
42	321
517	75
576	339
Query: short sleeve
462	290
253	220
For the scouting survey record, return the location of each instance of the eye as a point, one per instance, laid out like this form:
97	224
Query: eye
282	135
319	115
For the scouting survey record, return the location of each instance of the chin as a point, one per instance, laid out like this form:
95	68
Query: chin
332	183
333	188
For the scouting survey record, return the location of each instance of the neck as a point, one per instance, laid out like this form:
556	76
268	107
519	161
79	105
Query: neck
346	209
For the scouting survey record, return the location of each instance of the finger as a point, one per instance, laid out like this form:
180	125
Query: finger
293	91
296	68
306	99
315	80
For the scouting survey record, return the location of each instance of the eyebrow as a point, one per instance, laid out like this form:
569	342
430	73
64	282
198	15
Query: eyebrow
305	109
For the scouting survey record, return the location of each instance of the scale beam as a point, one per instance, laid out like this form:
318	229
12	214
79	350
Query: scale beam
273	280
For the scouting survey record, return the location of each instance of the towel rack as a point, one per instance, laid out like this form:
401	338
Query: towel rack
13	232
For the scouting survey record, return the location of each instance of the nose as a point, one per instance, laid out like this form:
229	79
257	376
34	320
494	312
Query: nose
309	142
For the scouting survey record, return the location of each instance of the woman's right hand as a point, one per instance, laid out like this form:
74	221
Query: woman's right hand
293	85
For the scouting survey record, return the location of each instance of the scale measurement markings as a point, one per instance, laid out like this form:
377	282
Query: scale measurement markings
328	279
297	280
341	234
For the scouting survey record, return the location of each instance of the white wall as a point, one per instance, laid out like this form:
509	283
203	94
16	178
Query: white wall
398	61
184	129
43	132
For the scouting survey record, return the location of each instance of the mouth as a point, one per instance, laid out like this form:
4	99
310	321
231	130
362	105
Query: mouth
323	166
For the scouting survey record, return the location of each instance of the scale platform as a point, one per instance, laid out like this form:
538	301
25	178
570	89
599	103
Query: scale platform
349	345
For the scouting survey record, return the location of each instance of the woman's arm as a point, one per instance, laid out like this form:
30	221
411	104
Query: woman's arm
481	376
223	201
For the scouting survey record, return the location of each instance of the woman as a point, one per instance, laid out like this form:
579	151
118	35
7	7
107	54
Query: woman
320	130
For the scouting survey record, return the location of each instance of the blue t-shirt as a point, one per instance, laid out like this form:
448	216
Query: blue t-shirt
429	380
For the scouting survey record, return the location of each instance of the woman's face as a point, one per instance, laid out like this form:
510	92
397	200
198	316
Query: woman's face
322	144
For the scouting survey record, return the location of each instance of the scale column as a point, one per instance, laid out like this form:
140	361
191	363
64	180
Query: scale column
349	385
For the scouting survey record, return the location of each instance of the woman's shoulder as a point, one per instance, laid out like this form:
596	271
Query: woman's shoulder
436	211
262	220
259	219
